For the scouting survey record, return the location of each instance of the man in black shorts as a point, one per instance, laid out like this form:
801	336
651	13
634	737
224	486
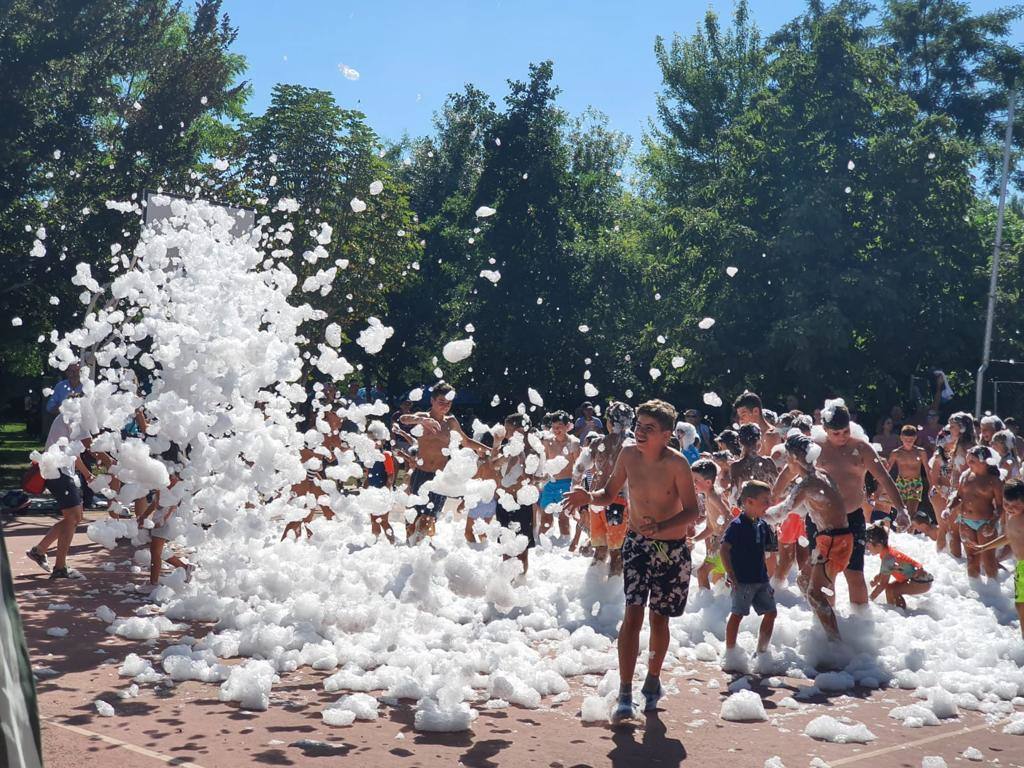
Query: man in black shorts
656	560
66	490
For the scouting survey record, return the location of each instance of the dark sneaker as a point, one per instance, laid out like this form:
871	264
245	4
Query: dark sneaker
39	559
623	711
66	573
651	699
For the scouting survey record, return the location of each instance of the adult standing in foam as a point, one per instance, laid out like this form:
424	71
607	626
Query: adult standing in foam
656	558
433	431
66	490
847	460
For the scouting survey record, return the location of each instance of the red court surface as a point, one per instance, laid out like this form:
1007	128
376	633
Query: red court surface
187	725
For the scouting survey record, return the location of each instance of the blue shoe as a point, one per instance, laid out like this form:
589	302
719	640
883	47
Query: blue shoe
651	699
623	711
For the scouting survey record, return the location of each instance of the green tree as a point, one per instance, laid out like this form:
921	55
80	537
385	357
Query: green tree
305	148
708	81
107	99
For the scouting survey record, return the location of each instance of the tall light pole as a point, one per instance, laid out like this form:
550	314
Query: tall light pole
986	354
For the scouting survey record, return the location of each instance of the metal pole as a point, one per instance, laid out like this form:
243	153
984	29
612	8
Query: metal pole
991	313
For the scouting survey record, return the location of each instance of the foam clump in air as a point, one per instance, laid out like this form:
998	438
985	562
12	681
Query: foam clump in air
372	337
744	707
842	731
484	211
457	351
934	761
774	762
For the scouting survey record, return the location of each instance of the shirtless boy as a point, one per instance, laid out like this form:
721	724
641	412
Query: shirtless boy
560	443
748	411
1013	504
716	518
607	526
978	506
663	505
433	430
910	461
816	494
752	464
847	460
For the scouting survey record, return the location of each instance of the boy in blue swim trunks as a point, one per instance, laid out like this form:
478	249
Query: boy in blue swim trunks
1013	508
558	443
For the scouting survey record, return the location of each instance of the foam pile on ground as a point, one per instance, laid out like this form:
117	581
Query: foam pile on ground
249	684
838	731
744	706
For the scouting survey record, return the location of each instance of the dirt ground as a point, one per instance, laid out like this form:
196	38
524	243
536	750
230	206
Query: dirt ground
187	725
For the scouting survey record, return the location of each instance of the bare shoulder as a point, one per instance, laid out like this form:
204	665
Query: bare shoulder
628	453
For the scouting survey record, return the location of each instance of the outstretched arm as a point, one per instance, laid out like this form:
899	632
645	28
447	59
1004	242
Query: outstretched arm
579	497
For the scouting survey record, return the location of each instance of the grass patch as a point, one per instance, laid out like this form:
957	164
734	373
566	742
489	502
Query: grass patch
15	446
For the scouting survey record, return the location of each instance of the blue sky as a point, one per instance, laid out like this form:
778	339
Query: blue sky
411	54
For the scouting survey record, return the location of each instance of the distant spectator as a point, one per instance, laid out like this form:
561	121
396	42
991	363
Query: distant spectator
929	433
587	422
704	434
898	418
70	384
887	436
371	394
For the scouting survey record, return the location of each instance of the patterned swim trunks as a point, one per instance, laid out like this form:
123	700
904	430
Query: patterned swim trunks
657	570
910	488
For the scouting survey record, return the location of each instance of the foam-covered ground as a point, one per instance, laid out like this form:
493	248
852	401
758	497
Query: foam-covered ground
449	624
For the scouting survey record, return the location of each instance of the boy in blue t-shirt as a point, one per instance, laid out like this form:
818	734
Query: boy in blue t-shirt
742	549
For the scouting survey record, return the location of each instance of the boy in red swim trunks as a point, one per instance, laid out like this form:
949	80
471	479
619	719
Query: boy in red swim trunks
813	493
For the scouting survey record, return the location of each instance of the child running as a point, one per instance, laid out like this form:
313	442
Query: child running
900	575
1013	505
656	558
743	557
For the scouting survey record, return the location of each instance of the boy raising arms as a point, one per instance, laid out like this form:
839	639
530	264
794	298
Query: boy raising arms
656	560
1013	506
911	461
